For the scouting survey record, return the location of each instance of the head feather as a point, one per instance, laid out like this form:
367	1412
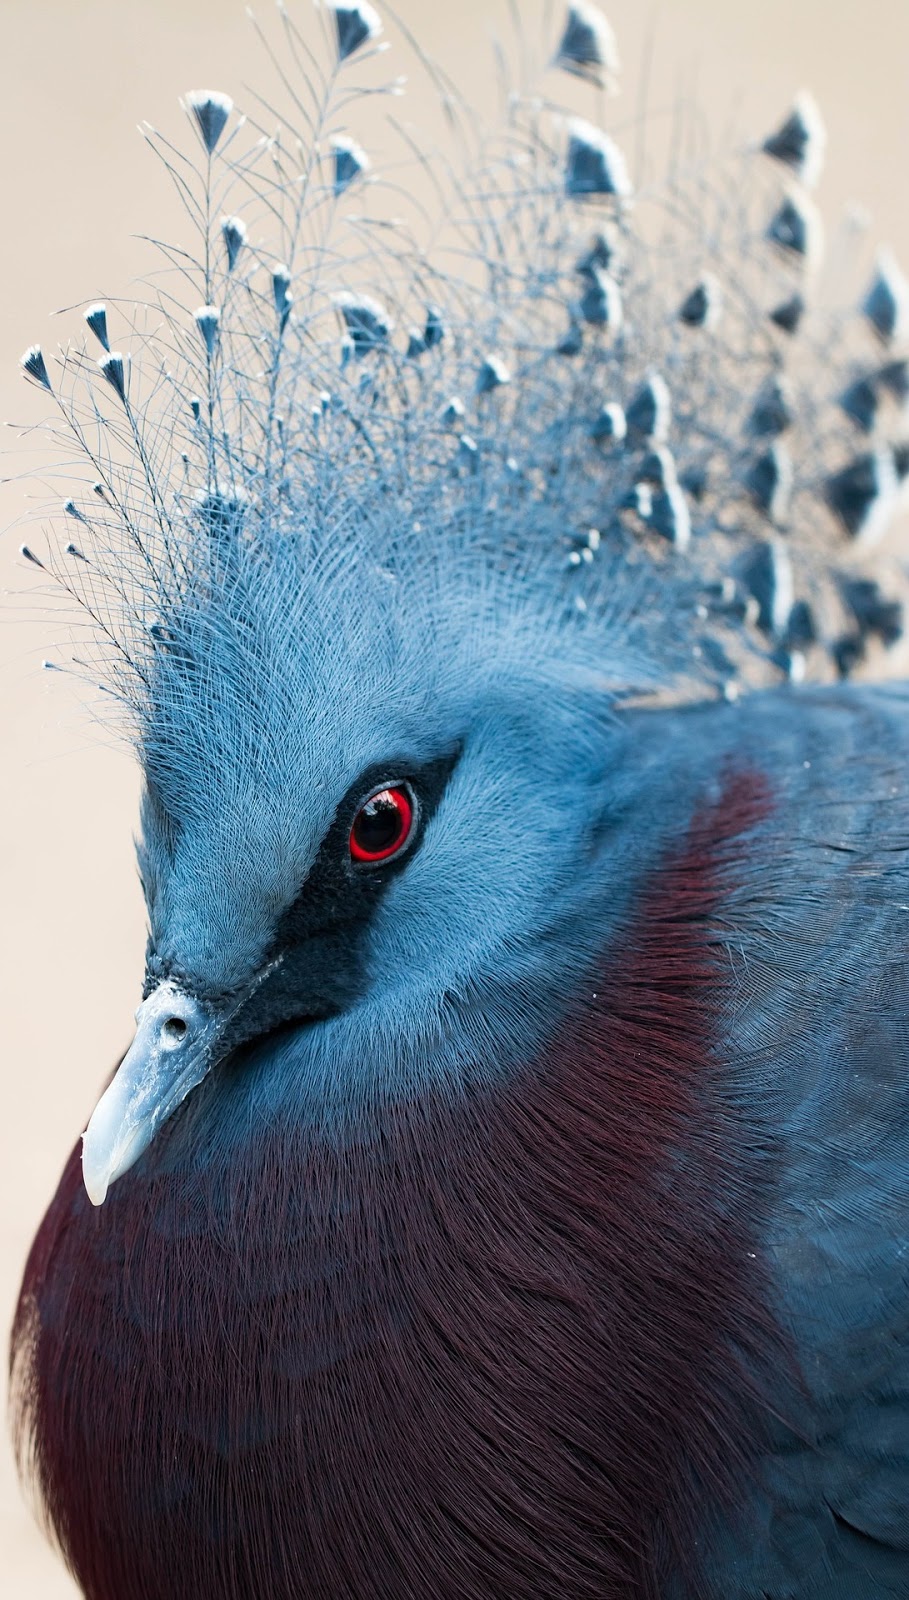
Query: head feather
314	388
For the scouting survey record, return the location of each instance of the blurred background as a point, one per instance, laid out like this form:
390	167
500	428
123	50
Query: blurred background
78	190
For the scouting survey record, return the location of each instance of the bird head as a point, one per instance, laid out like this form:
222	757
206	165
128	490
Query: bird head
367	792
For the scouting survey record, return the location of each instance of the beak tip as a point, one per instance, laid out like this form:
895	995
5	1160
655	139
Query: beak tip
96	1182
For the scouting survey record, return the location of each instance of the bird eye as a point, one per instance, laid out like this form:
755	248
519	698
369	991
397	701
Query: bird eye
383	825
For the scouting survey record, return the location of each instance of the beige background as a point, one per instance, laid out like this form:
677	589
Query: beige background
77	187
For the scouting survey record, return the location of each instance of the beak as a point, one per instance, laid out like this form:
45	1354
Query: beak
173	1050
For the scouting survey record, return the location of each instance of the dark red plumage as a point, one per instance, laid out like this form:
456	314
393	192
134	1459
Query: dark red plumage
505	1346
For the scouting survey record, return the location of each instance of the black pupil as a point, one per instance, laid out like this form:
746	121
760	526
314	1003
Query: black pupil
378	825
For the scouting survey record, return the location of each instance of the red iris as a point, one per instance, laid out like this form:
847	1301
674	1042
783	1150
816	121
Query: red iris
382	826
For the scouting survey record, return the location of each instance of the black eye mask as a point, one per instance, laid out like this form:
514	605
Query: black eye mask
316	949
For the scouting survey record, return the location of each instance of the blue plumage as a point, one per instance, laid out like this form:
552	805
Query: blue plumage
502	1196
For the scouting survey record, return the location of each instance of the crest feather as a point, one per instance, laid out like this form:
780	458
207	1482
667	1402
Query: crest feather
313	374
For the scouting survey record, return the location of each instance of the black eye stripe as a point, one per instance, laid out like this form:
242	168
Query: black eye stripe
320	937
339	891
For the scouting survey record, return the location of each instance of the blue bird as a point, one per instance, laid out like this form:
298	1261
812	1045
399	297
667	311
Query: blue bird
504	1196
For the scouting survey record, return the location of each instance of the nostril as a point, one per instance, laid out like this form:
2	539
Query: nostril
174	1030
